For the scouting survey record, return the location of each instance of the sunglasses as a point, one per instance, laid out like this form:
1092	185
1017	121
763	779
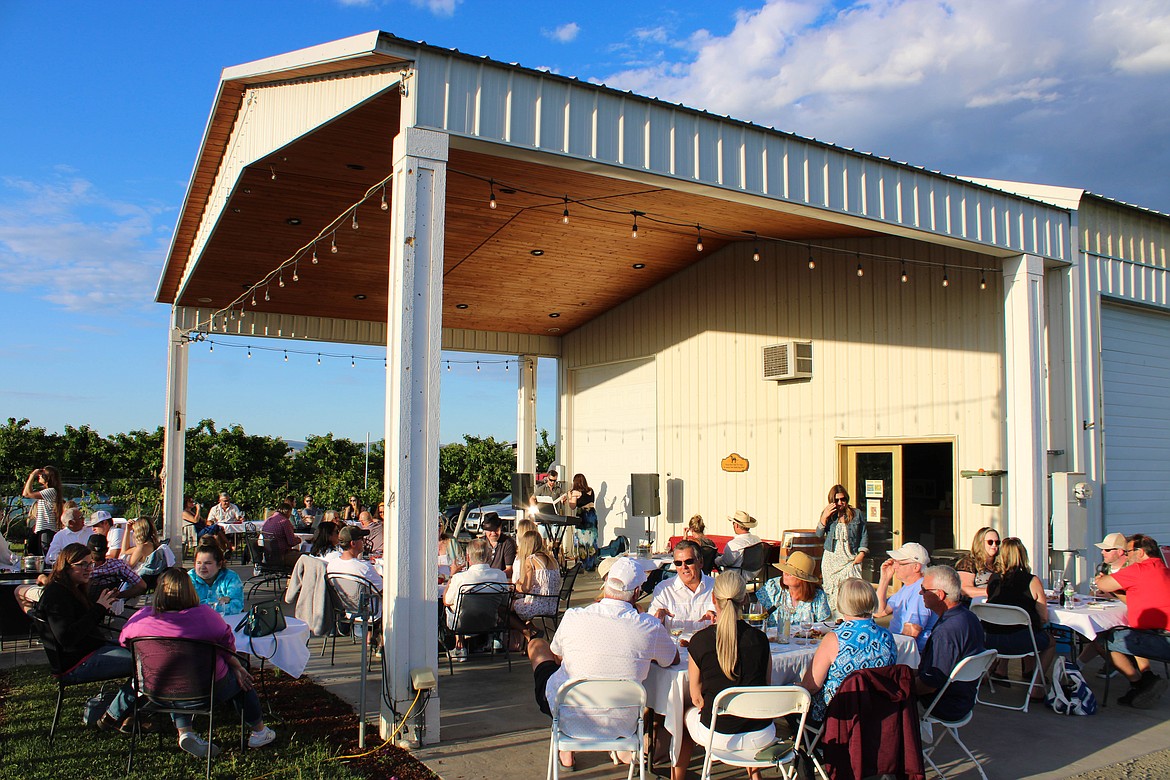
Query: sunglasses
687	562
992	542
840	500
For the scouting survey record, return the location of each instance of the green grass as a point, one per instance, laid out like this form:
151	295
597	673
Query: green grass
27	697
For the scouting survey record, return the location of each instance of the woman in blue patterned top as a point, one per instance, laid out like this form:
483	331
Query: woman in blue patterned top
858	643
796	592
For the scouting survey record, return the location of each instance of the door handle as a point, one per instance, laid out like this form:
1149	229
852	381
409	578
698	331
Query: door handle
897	533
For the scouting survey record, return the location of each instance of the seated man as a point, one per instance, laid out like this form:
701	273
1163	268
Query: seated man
308	516
910	615
1146	583
376	529
608	640
281	545
478	570
687	596
957	634
76	530
501	549
732	555
352	541
223	513
112	574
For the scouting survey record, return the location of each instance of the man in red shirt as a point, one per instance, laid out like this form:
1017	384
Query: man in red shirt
1146	585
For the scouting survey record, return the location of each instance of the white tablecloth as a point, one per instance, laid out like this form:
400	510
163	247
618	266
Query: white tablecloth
668	694
1088	621
287	651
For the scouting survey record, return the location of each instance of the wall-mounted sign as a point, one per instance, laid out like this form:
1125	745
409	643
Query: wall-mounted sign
874	488
734	463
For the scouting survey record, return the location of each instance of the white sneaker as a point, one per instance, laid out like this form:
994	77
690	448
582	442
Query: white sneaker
459	654
259	739
196	745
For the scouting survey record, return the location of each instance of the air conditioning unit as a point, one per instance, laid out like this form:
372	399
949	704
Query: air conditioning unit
788	360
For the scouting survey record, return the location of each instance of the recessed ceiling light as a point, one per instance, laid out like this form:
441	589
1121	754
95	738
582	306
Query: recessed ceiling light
461	306
247	191
235	210
507	190
359	297
639	266
554	330
536	252
204	300
555	314
355	167
293	221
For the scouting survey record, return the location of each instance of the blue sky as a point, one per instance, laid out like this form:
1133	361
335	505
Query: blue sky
107	103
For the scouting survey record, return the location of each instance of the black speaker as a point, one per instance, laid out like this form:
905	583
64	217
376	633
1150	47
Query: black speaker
523	487
644	495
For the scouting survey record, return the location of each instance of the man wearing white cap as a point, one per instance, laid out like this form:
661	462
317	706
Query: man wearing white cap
1112	549
910	615
608	640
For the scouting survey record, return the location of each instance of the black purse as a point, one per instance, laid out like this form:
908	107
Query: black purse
263	619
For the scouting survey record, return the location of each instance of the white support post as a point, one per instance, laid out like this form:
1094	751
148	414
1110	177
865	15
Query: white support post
175	438
526	415
1026	426
411	490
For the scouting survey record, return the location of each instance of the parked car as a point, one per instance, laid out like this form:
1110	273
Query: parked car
503	510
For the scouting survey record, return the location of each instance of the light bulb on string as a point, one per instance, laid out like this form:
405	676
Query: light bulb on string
280	280
982	279
211	346
634	229
296	267
506	366
286	356
492	199
565	213
905	276
253	297
315	261
477	365
318	358
272	168
699	239
812	263
385	205
249	353
946	281
267	297
756	254
860	270
354	223
448	366
352	362
333	243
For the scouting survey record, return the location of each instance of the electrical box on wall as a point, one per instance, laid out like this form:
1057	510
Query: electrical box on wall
1070	513
987	489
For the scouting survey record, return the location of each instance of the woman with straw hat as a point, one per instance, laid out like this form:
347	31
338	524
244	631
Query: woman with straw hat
797	591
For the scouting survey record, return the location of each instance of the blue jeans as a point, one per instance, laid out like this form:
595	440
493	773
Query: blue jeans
1139	642
227	688
107	662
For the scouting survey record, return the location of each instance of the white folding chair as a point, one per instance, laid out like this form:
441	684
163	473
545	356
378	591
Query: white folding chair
1010	617
598	695
767	702
970	669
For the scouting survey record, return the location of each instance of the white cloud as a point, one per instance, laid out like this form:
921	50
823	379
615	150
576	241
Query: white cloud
566	33
438	7
1027	89
64	241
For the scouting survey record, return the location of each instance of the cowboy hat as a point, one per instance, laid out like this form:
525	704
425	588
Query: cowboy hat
801	566
743	518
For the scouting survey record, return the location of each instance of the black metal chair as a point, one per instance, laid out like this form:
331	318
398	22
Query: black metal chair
266	571
176	676
568	580
709	552
752	563
481	609
42	629
353	601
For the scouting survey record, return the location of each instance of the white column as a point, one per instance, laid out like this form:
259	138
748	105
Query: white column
411	490
1024	358
526	415
175	438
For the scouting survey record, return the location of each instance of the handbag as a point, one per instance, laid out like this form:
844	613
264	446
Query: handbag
263	619
96	706
1069	694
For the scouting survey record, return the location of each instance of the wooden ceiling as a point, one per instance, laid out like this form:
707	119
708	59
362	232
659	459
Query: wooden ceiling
493	278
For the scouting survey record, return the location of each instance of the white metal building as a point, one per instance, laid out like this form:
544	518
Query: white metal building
483	206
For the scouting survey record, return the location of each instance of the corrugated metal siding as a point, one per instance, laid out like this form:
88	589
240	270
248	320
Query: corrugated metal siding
271	117
1130	250
500	343
891	361
466	97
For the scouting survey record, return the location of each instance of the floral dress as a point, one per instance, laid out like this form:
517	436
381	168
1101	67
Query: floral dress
778	600
543	596
861	644
837	565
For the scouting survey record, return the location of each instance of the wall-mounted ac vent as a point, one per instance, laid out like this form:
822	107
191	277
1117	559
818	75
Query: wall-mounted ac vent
788	360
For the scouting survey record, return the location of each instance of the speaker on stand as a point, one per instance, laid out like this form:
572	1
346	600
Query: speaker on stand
645	500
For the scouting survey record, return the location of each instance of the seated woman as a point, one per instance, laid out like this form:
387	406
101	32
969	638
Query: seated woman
976	568
216	585
77	650
1016	586
858	643
327	543
449	557
148	557
538	586
727	654
797	591
177	613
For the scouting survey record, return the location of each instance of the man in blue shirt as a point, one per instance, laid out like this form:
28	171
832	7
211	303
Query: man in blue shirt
957	634
910	615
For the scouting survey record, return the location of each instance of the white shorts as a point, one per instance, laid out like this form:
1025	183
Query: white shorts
751	740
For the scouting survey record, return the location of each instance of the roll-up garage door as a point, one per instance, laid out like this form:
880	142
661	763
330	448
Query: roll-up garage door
1135	369
615	434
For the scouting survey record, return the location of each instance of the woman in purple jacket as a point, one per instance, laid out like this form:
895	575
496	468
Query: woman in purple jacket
177	613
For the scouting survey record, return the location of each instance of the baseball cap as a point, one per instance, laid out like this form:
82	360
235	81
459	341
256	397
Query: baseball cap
911	551
98	543
99	516
1114	541
625	575
351	532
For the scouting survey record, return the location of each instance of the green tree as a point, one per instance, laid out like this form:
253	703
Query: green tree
546	452
474	468
22	449
330	469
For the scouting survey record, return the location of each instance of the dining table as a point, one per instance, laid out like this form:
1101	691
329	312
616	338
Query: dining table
668	691
287	650
1088	617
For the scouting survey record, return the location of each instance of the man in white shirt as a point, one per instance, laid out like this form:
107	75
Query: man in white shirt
687	596
479	570
224	512
75	530
741	523
609	640
352	540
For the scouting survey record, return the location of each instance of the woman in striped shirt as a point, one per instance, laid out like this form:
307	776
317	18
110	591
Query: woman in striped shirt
46	517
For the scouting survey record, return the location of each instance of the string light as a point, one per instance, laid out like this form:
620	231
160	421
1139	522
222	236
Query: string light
812	264
756	254
905	276
565	213
296	267
211	347
286	356
982	280
385	205
267	297
318	358
946	281
492	199
354	224
280	281
273	169
448	366
315	253
333	243
253	301
699	240
634	229
477	365
249	353
352	362
860	270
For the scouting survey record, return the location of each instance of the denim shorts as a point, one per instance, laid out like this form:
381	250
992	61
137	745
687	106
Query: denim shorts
1139	642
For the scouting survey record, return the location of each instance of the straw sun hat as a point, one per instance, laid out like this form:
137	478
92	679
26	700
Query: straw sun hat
801	566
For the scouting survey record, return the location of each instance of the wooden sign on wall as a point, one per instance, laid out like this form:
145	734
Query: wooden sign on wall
734	463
